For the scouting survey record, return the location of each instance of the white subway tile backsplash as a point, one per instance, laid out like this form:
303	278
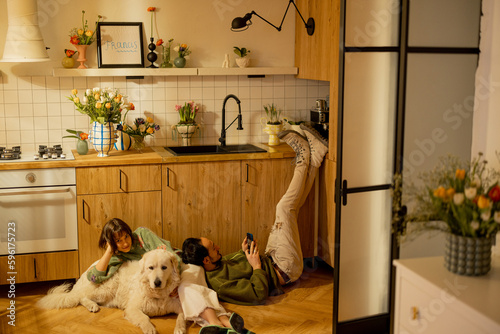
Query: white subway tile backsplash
35	110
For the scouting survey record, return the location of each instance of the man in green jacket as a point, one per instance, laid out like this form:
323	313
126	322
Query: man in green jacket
245	277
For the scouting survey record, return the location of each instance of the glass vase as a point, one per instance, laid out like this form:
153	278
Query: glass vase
166	58
138	143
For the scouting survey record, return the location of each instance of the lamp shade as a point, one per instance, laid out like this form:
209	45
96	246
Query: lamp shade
241	23
24	41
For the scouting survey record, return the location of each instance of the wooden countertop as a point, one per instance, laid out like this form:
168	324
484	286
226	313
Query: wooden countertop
150	155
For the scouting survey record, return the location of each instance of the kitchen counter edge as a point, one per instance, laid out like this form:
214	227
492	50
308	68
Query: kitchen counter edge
150	155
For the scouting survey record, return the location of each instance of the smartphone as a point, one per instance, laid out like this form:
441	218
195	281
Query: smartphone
249	238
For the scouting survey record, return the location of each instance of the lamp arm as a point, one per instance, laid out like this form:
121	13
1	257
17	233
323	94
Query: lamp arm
277	28
291	1
284	16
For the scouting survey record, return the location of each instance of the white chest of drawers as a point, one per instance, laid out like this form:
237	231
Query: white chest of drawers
430	299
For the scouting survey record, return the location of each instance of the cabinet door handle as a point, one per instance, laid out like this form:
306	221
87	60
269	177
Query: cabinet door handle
414	313
248	167
83	212
168	177
34	266
121	172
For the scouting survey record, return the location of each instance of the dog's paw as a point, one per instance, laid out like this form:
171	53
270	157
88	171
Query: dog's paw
93	308
148	329
179	331
151	330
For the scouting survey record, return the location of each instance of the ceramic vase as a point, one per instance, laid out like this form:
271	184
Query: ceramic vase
467	256
82	147
138	143
82	55
243	61
272	130
186	131
68	62
103	137
123	141
180	62
152	56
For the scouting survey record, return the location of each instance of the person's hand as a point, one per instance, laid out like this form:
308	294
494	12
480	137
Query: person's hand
174	293
252	254
109	250
244	245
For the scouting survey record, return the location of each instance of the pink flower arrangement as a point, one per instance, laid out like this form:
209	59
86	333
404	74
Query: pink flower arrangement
187	112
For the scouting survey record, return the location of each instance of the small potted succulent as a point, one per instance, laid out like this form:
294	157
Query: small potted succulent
243	59
273	123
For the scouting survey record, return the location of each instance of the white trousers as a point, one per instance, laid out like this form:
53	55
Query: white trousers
284	240
195	295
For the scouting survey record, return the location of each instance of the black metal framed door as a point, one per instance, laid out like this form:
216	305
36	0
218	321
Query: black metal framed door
368	134
394	54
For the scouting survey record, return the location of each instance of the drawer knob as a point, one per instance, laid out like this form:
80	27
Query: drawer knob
414	312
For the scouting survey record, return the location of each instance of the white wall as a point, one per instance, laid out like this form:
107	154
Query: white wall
203	25
486	134
34	108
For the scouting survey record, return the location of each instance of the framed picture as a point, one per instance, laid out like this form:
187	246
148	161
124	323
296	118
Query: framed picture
119	44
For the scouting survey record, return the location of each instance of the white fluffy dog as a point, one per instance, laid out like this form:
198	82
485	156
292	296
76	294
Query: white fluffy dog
141	288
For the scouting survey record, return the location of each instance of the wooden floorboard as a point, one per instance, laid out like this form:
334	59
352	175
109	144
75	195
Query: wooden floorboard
306	308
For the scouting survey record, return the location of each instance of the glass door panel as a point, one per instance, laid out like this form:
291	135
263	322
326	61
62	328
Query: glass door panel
372	23
439	107
369	110
365	255
444	23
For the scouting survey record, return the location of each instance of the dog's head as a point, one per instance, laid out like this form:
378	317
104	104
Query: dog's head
159	269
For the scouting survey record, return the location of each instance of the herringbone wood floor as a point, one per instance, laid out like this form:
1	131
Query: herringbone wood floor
306	308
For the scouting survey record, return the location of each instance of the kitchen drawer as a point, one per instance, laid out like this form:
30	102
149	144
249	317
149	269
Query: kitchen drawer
424	312
40	267
105	180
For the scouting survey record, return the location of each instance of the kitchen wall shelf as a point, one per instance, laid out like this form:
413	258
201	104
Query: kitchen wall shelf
142	72
247	71
123	72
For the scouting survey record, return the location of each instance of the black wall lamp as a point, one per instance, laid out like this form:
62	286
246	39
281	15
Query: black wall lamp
242	23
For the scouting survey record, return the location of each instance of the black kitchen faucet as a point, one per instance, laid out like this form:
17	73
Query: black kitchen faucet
222	138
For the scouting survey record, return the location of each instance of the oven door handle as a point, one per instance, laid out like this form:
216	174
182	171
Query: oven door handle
32	192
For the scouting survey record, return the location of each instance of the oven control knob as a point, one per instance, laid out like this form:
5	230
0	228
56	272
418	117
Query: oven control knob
31	178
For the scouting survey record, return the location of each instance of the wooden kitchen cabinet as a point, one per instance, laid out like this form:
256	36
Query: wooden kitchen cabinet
131	193
223	200
317	56
202	200
264	183
102	180
41	267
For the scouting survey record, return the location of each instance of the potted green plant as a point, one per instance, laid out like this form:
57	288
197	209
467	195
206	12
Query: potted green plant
273	123
243	59
462	199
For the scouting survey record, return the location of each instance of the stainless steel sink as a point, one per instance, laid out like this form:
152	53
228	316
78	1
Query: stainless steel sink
214	149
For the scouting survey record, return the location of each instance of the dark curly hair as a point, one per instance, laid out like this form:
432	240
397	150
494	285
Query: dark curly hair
193	252
112	227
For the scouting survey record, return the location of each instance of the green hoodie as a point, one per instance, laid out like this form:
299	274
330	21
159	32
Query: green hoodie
236	282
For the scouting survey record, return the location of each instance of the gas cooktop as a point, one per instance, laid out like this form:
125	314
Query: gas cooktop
44	153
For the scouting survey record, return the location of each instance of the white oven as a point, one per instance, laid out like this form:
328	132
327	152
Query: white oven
38	210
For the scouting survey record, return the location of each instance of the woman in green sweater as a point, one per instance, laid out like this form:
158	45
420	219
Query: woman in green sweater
199	303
